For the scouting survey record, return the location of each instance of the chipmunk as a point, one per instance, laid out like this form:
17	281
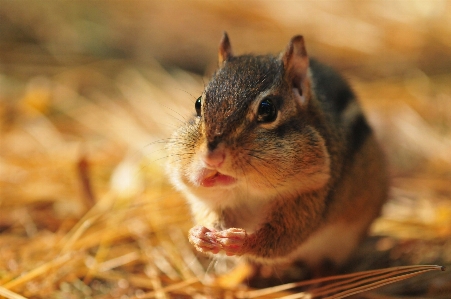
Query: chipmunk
278	163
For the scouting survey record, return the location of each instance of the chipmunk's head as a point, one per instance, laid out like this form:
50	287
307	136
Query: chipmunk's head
252	133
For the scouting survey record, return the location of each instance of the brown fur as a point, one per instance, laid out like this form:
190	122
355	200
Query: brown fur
315	175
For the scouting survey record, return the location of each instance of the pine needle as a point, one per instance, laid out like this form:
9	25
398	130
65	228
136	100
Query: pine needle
10	295
347	284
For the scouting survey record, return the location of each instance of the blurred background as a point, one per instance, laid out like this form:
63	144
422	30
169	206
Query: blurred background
90	90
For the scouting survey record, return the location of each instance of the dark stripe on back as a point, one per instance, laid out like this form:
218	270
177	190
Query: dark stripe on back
344	97
331	88
359	132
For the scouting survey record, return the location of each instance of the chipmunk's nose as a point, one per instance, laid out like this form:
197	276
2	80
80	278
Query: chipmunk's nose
215	158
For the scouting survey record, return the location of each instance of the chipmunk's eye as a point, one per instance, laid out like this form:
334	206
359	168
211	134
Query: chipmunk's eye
267	111
198	105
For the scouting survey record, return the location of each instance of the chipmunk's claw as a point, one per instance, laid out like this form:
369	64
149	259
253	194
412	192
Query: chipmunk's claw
230	240
204	240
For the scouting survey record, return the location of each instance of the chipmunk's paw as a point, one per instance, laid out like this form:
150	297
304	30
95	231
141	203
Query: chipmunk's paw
204	240
231	240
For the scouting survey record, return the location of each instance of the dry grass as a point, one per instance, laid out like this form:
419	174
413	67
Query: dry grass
85	209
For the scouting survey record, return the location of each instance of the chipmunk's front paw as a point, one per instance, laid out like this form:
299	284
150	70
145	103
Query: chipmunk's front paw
204	240
231	240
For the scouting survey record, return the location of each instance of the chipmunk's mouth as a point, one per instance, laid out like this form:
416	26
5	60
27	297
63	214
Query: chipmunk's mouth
211	178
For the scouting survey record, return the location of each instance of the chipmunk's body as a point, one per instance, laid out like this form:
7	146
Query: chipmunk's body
279	163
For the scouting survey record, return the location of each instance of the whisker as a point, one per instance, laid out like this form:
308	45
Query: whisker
183	120
178	160
162	141
269	165
261	174
185	92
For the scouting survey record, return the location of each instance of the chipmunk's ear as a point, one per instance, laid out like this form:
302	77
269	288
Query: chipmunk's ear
225	49
296	64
